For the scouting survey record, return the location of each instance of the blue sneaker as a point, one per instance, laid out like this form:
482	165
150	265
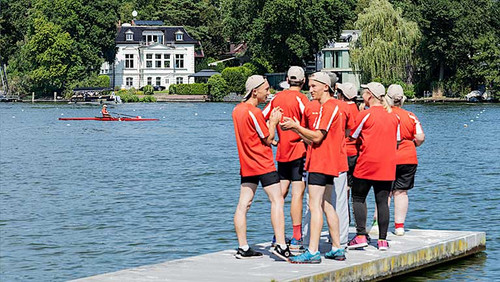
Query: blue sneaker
306	257
336	254
296	245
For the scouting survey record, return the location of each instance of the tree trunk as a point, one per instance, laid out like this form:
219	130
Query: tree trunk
441	71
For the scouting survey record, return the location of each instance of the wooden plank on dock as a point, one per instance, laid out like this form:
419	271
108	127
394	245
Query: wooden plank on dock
416	250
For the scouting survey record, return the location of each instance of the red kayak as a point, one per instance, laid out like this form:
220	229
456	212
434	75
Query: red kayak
111	118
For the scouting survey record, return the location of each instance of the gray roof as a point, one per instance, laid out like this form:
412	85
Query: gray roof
168	31
205	73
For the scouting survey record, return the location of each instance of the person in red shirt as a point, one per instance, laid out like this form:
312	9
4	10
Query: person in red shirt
253	139
104	111
412	136
291	150
320	163
348	93
378	129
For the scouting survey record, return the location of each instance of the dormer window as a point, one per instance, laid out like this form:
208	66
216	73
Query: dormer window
129	35
179	35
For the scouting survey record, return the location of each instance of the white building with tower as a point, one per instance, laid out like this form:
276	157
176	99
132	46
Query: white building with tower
150	53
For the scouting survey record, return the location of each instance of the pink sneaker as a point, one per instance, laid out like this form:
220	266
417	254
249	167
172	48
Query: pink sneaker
383	245
359	241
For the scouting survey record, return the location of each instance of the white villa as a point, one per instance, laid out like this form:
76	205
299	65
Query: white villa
149	53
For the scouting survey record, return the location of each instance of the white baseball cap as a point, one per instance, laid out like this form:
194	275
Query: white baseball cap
376	88
253	82
296	74
395	92
348	89
322	77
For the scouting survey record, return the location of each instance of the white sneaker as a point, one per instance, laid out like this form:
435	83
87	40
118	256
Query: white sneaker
399	231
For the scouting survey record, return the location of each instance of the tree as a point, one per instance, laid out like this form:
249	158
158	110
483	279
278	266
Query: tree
387	44
285	32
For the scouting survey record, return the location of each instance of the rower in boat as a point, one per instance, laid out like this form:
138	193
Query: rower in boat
105	112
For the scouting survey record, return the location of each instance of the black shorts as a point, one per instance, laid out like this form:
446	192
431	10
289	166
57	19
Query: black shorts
265	179
351	161
405	177
320	179
292	171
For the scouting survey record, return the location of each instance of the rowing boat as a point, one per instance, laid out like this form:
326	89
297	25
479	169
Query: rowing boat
111	118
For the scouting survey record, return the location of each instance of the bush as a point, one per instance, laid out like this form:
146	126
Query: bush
189	89
129	98
147	99
148	90
218	88
236	78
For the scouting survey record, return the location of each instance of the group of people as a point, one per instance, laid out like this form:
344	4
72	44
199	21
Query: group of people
333	148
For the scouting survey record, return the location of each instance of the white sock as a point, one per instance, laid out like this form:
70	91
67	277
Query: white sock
245	247
283	246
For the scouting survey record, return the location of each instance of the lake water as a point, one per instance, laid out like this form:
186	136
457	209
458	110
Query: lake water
80	198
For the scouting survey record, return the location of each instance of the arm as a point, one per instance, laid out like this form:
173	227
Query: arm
419	139
309	136
274	119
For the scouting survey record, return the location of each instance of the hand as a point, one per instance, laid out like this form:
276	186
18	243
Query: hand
289	123
276	115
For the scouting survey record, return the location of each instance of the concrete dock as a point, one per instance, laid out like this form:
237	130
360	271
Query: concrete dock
416	250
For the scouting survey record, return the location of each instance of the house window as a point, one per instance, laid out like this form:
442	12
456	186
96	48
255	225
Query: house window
150	81
129	61
179	80
166	61
149	60
179	36
128	81
179	61
130	36
157	60
158	81
167	81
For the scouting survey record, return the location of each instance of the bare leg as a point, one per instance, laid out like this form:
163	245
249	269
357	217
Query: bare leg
284	187
316	193
331	217
296	207
277	212
400	205
247	192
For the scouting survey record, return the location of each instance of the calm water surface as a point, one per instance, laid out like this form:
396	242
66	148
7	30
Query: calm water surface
79	198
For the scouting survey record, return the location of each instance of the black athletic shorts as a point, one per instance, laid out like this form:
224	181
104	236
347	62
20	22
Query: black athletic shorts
405	177
265	179
319	179
292	171
351	160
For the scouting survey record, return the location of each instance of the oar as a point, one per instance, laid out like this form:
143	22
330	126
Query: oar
121	114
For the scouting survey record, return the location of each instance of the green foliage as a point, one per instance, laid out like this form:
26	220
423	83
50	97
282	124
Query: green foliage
218	88
388	43
129	98
148	99
235	78
267	27
189	89
258	66
148	90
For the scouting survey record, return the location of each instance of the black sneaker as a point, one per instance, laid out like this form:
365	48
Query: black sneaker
248	254
282	254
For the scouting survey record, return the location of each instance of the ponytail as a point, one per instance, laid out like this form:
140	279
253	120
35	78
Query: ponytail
386	103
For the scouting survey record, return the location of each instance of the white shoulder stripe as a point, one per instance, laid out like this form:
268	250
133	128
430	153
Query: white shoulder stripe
267	109
418	126
318	120
301	105
257	127
360	127
333	116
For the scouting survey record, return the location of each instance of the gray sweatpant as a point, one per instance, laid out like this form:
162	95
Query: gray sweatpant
341	205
